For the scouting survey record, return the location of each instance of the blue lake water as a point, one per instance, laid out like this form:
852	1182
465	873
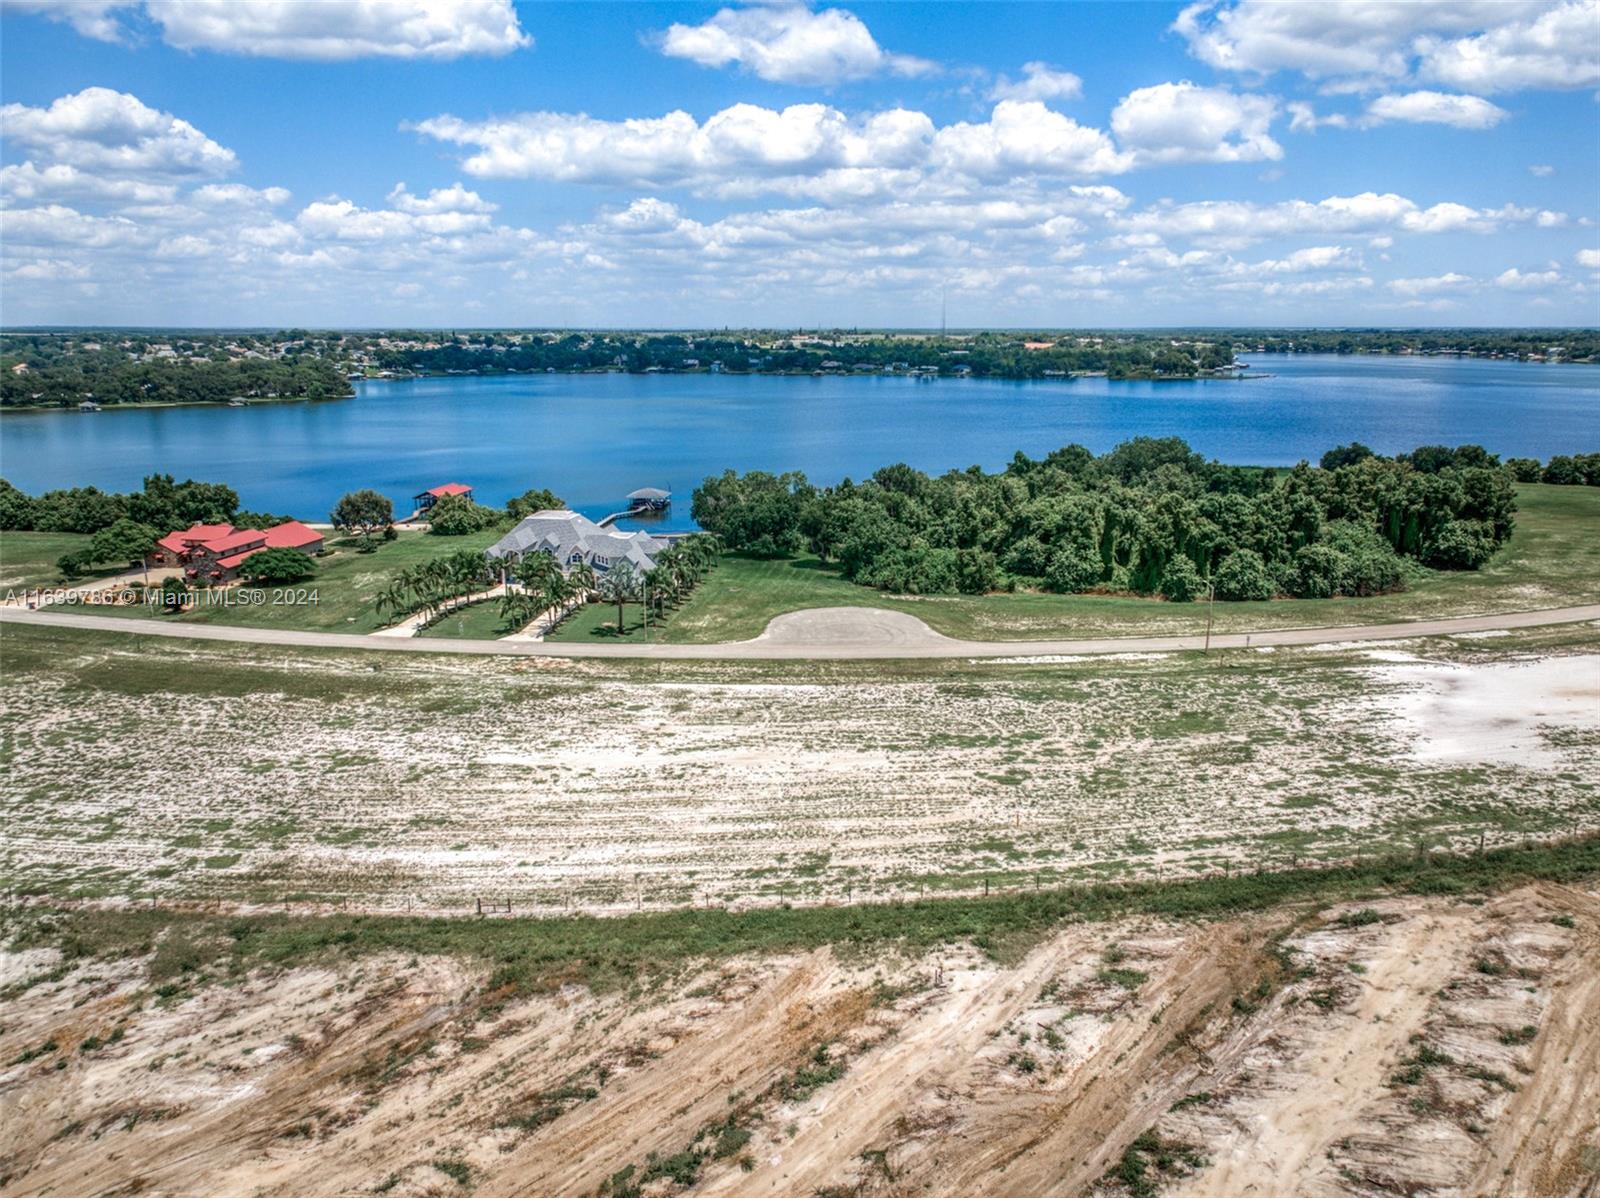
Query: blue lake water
594	438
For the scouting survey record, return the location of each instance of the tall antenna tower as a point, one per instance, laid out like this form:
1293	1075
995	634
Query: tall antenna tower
944	309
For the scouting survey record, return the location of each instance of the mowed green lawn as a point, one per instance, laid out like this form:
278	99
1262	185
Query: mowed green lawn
1552	560
479	622
345	587
598	622
28	559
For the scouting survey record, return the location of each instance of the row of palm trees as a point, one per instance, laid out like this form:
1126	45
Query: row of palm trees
541	585
428	586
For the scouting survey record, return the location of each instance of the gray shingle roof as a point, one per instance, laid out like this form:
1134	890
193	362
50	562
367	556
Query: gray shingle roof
569	537
649	493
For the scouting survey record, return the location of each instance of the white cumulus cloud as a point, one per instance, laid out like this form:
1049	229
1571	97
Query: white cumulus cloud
1516	280
1184	122
1040	81
26	182
1436	108
92	18
789	44
316	30
813	148
1474	45
1589	258
1431	284
108	131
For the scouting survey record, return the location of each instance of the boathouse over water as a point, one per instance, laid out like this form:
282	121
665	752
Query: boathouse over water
649	499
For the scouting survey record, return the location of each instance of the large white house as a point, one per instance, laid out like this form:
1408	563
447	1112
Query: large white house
571	538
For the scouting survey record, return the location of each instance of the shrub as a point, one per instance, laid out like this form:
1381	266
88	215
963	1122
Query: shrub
1243	575
1181	582
1319	572
1458	545
1073	569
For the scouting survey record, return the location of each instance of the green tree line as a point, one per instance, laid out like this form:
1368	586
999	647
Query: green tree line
1150	517
110	379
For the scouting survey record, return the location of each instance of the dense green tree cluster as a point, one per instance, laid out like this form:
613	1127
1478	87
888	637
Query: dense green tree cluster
459	516
110	378
1150	517
278	565
162	505
537	499
1563	470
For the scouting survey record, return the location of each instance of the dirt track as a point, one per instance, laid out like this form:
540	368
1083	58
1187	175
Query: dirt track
1442	1047
821	634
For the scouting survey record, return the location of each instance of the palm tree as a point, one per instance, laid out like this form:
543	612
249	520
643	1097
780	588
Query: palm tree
537	571
620	586
581	579
519	608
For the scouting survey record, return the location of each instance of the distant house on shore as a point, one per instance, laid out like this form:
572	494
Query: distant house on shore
649	499
571	539
433	494
213	553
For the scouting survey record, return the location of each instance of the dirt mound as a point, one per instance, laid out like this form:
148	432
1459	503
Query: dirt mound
1445	1047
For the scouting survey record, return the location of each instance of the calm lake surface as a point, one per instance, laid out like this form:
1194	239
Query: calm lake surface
594	438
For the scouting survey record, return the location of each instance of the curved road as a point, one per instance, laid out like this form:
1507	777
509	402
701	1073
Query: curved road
826	633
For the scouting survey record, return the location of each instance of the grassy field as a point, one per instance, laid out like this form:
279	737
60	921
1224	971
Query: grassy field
28	559
601	784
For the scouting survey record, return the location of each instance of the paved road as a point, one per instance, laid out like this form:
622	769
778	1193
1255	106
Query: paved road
828	633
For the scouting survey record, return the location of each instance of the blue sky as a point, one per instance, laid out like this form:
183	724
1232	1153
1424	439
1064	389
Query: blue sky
227	162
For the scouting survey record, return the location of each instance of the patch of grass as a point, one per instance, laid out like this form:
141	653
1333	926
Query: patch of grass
1128	979
457	1171
1365	917
34	1053
1150	1161
820	1071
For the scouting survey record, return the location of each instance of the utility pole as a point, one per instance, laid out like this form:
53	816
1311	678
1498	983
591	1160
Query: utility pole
1211	603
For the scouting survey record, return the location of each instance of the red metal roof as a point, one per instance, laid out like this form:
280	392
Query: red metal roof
449	489
178	541
237	539
291	534
228	563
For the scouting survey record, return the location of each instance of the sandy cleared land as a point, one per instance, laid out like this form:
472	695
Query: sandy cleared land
194	771
1443	1046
